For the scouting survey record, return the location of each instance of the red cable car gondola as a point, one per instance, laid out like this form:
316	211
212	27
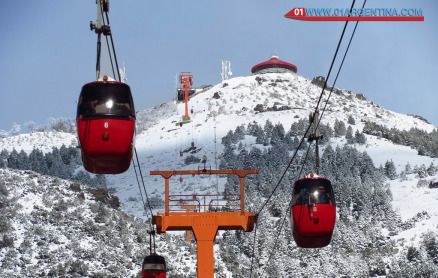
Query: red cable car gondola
106	126
154	266
313	212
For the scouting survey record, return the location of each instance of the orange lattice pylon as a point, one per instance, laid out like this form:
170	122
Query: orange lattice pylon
205	222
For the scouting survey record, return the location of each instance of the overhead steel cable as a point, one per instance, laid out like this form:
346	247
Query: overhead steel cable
139	188
303	163
308	128
340	67
310	124
142	181
148	203
107	42
253	248
277	236
113	47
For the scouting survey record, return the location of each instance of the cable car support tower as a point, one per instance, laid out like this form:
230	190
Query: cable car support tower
212	214
186	82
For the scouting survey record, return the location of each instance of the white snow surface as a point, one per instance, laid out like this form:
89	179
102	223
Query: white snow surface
43	141
411	198
230	104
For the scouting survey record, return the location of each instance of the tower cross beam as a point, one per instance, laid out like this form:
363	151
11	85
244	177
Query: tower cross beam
204	225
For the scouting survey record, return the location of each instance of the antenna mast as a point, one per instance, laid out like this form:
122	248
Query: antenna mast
226	70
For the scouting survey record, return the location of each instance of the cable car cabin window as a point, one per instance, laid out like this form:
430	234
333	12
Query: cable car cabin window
105	99
313	191
157	266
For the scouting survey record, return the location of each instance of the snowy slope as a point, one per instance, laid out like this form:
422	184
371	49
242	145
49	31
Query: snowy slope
44	141
56	228
52	219
229	104
415	200
232	103
280	98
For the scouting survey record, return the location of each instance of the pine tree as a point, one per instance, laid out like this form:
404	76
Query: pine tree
239	134
359	138
227	140
228	158
326	132
65	155
13	160
83	177
430	243
278	135
432	169
56	166
254	129
403	176
4	158
421	171
349	135
351	120
339	128
23	161
299	128
37	162
390	171
408	168
268	129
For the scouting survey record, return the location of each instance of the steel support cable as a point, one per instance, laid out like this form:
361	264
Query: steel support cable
142	181
135	150
253	248
334	58
107	42
277	236
310	124
340	67
113	47
139	188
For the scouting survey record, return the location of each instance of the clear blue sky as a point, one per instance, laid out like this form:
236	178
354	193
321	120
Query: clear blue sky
47	51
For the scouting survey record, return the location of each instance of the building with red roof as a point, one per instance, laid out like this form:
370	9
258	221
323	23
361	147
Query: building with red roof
273	65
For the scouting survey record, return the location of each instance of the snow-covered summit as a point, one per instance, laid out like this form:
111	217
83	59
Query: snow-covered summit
281	97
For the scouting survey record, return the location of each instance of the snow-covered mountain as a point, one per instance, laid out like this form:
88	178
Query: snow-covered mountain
281	98
51	227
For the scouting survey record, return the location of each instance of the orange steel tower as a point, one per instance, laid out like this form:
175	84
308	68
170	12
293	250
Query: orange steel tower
215	212
186	81
188	208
